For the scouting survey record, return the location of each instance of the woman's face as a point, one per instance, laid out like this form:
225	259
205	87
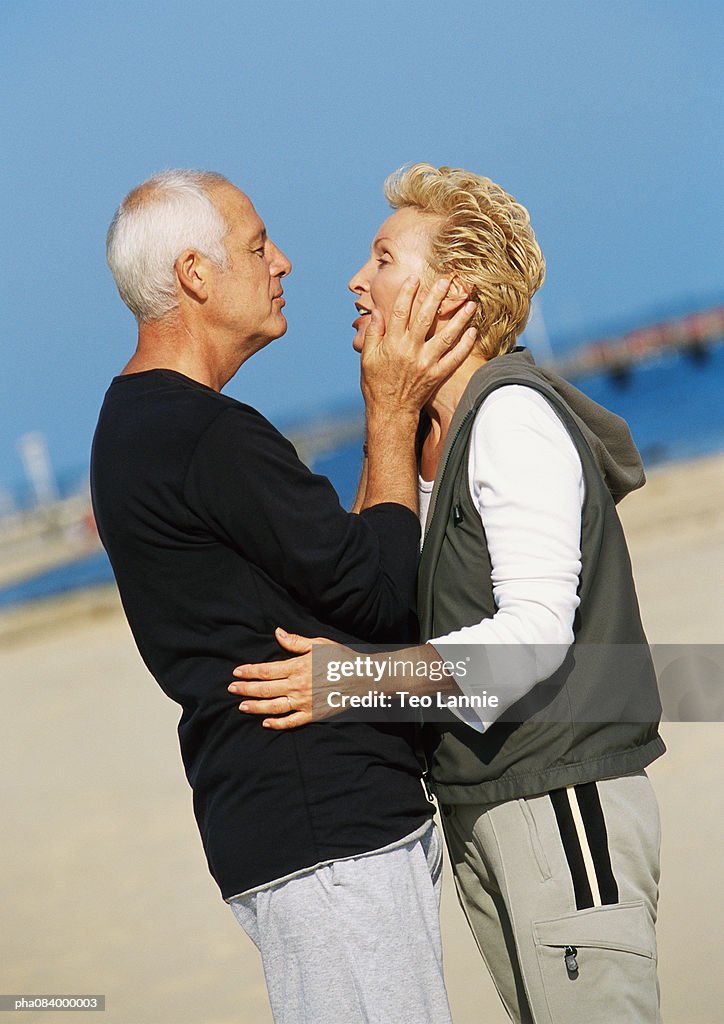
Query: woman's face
399	250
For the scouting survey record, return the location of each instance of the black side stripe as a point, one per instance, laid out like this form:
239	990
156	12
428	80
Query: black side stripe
594	823
572	848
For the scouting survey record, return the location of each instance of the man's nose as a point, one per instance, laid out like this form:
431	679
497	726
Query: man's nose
279	264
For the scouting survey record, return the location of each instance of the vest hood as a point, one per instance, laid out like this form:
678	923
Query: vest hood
608	435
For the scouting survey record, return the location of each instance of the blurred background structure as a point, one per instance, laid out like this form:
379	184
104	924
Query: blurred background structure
666	378
606	122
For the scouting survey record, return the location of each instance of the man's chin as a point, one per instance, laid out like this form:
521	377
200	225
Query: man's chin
281	328
272	333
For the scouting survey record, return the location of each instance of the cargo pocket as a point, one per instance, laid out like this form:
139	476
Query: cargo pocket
599	965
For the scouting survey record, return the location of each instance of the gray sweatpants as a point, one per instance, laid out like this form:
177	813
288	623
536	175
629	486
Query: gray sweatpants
560	892
356	941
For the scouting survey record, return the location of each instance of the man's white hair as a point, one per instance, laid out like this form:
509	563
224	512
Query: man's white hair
156	222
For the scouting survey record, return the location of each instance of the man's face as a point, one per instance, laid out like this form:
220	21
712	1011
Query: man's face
399	250
247	294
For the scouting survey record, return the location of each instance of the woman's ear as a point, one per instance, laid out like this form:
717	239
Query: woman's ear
456	296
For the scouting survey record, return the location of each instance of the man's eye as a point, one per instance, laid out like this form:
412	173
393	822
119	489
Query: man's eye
260	252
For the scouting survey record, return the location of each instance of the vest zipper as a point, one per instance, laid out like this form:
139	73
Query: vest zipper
426	782
466	417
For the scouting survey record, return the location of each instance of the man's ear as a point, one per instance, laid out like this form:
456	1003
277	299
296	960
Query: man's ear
192	273
456	296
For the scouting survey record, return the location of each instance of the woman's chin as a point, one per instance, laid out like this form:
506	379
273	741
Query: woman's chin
360	324
359	338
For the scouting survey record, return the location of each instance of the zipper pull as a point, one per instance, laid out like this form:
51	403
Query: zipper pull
570	953
457	515
426	784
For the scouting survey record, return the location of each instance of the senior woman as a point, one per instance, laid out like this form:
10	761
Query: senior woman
550	819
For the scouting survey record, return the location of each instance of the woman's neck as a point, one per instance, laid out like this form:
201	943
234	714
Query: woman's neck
441	409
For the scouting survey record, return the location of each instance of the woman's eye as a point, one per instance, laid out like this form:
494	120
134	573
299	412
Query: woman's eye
382	262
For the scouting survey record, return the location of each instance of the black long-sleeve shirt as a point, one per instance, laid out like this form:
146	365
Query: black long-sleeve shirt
217	534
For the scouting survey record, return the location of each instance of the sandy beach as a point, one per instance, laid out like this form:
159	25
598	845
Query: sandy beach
105	886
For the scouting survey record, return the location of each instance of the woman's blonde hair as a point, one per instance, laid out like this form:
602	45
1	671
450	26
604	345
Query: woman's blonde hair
485	241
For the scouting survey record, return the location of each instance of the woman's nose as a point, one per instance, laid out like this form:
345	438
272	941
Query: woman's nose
359	281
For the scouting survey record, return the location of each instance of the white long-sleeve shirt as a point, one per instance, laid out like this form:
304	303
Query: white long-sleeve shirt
526	481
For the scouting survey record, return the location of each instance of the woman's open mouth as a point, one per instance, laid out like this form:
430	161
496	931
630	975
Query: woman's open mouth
363	312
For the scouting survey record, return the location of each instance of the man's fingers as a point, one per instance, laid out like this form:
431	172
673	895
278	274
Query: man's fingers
457	355
373	339
374	330
451	333
400	315
429	309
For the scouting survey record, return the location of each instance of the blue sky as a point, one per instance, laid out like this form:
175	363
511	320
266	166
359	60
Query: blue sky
604	119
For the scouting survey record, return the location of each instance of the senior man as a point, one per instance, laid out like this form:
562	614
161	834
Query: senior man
320	839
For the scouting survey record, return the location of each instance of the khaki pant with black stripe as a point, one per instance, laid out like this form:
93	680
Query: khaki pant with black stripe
561	893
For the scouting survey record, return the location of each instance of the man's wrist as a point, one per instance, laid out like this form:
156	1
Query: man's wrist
389	422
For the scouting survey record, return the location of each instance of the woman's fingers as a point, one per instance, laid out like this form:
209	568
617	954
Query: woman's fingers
293	641
269	669
282	690
265	670
292	721
278	706
261	690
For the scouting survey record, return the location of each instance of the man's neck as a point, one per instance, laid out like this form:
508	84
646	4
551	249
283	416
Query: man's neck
169	344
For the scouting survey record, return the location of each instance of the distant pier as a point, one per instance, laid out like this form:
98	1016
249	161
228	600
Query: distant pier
619	354
616	355
53	531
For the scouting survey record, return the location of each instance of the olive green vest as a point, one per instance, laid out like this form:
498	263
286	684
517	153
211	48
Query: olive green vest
597	716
